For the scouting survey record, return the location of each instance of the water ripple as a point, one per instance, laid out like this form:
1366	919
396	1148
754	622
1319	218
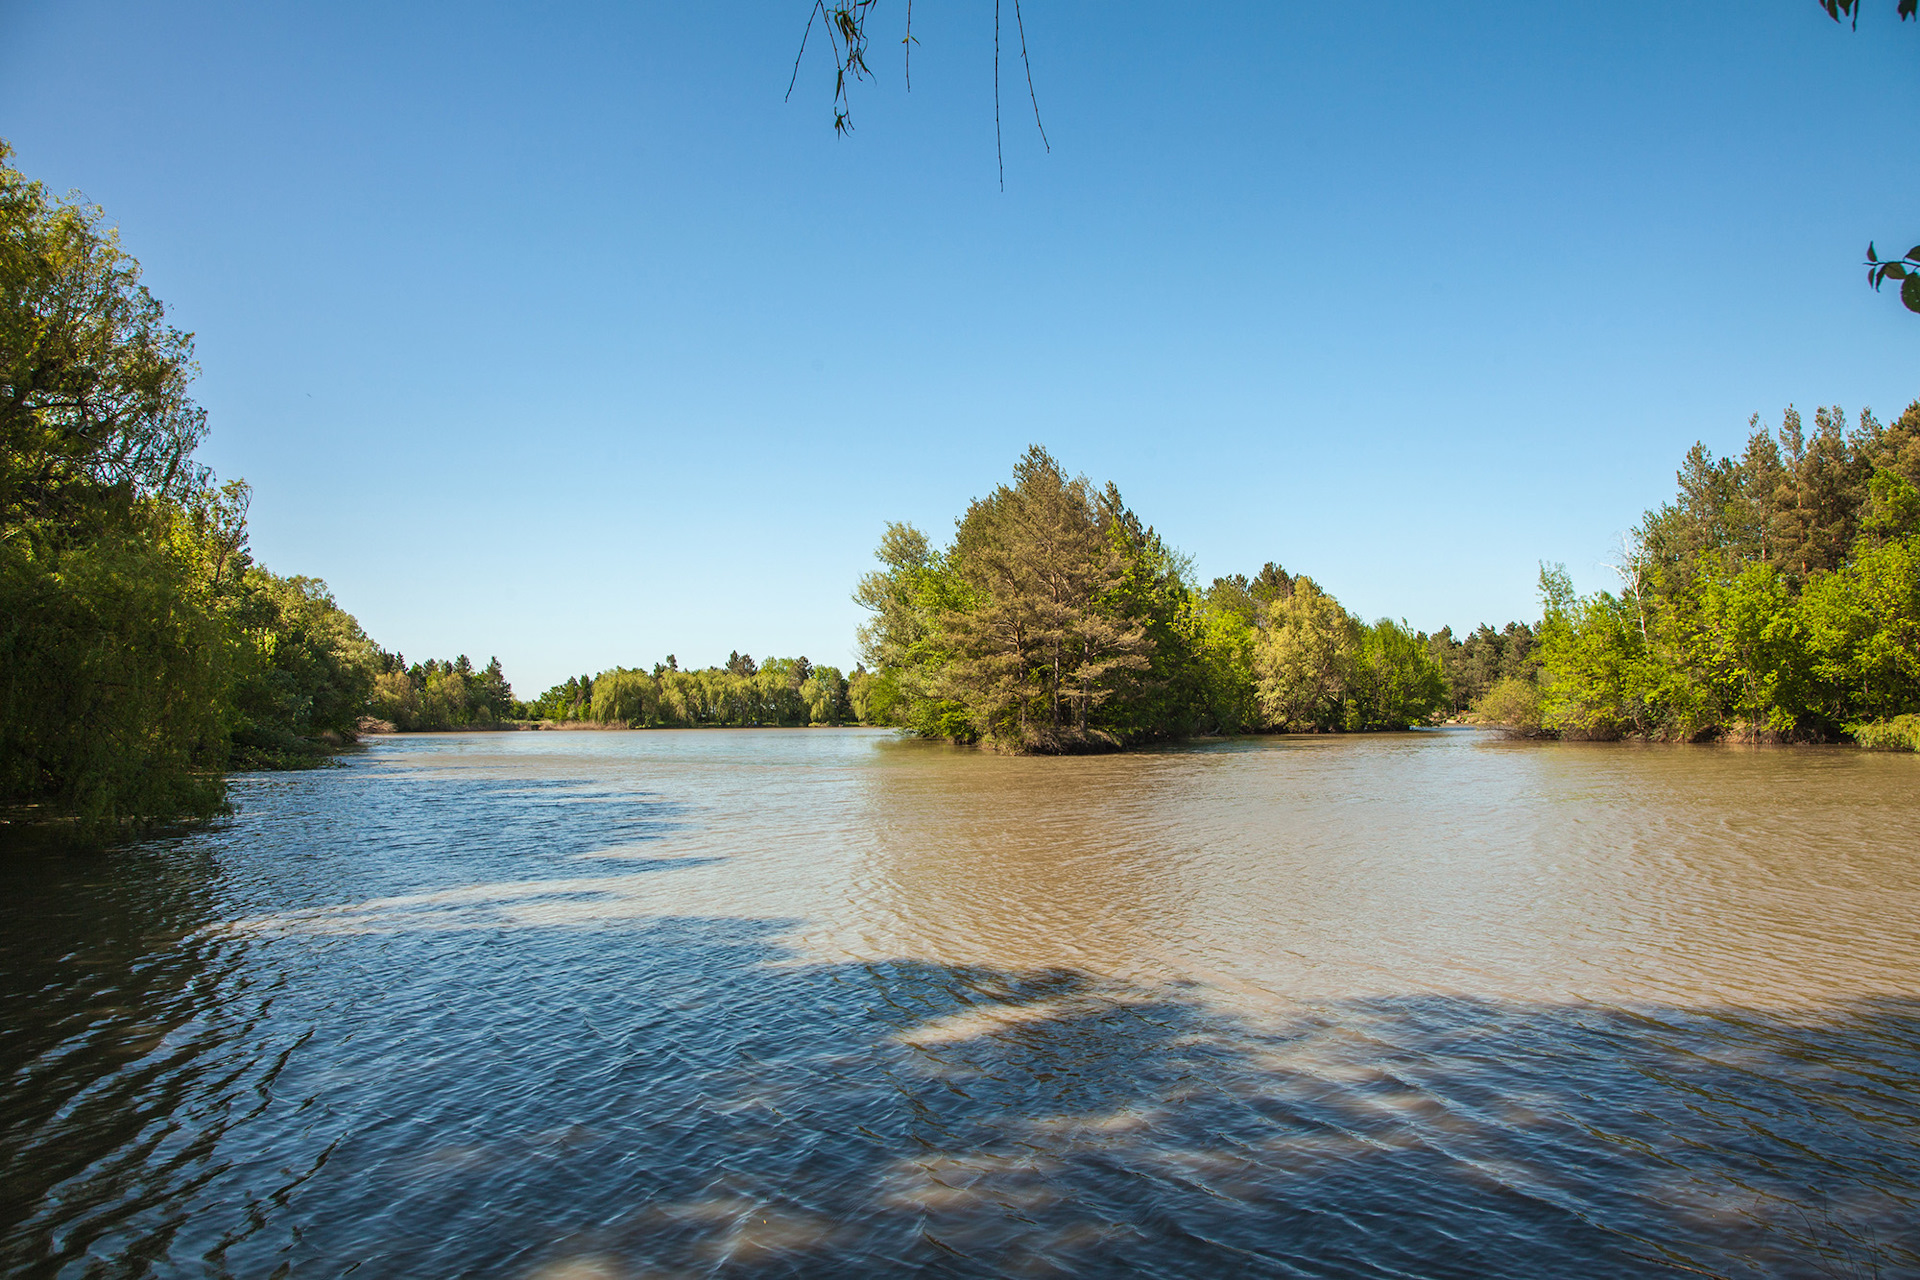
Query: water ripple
626	1005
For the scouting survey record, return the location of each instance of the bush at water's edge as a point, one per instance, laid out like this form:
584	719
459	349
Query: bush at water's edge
1902	733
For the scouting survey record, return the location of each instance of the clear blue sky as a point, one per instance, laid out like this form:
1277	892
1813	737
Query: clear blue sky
551	331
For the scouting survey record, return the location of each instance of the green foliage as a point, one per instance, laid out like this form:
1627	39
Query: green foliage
1045	639
1303	660
778	691
436	695
1486	658
1221	641
93	381
1778	598
1902	733
141	650
305	676
1058	621
115	678
1512	703
1905	270
1396	681
1862	635
1055	622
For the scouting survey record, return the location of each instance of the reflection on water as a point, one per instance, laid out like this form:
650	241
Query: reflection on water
625	1005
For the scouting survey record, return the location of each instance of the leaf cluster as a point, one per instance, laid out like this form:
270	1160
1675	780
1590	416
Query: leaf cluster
1901	269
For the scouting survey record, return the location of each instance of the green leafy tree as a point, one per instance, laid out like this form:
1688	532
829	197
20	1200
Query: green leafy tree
1397	682
1044	644
1303	658
93	381
306	674
116	676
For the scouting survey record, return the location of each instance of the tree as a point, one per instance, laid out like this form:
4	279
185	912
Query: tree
306	671
1302	659
1397	682
93	381
116	561
1040	647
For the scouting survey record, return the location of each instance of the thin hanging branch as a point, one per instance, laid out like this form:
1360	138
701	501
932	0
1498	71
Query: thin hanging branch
999	157
846	25
795	77
1022	24
909	42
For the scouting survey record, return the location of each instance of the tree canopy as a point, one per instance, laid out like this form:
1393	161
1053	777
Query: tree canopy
1058	621
1776	598
142	650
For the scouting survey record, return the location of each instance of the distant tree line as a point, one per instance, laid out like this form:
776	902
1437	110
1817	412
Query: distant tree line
778	691
1777	598
437	695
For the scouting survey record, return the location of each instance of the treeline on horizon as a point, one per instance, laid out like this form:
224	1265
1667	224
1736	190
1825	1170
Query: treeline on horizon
786	692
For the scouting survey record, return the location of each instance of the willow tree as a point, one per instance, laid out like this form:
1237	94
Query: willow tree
93	380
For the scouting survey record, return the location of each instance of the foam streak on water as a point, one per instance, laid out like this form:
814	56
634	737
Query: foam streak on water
826	1003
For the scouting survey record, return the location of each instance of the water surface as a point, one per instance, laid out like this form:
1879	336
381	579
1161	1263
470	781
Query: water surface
823	1002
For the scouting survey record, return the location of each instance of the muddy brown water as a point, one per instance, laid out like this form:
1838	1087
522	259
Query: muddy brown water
828	1003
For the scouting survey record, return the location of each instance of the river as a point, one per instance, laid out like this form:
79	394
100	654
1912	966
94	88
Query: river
590	1006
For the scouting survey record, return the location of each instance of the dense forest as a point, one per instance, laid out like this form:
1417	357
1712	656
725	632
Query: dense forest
1777	598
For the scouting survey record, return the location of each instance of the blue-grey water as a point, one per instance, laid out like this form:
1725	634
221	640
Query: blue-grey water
598	1005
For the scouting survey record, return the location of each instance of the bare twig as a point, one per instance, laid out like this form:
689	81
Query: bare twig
795	78
1022	24
999	156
